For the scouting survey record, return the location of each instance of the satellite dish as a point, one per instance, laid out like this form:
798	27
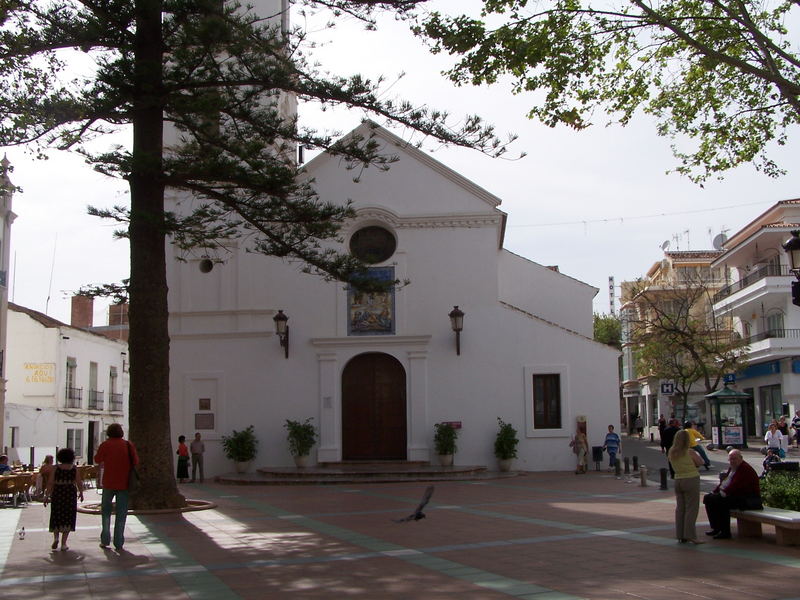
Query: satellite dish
665	245
719	240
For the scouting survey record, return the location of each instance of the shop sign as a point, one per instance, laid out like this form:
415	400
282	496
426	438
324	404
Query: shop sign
733	436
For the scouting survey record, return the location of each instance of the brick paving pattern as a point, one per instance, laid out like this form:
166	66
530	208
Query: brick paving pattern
541	536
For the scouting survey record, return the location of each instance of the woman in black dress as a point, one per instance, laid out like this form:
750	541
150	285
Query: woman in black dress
63	491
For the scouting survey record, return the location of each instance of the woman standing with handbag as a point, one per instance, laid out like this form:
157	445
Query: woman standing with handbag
684	462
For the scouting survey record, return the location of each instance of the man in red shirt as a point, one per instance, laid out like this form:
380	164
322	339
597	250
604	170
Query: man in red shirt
116	456
739	489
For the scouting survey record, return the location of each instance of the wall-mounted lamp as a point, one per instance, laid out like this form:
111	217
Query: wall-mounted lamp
64	337
457	323
282	330
792	247
124	356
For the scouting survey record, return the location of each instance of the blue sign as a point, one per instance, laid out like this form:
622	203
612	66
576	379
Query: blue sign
729	378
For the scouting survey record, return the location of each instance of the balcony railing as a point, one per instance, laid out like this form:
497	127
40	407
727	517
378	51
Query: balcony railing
95	400
765	271
774	333
73	399
115	402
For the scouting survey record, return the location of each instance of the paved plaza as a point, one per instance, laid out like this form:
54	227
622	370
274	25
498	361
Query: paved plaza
542	536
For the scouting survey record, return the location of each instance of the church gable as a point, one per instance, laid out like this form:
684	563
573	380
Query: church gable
415	185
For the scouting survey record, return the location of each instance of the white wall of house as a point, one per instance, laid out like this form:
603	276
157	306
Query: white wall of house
37	380
226	362
546	293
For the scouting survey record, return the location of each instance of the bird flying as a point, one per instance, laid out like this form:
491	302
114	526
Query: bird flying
418	514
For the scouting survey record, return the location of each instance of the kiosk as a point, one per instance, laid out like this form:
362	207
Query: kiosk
728	426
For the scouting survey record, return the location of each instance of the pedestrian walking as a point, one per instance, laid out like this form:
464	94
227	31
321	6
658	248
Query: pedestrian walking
63	490
640	426
580	446
117	456
667	438
696	437
612	445
197	448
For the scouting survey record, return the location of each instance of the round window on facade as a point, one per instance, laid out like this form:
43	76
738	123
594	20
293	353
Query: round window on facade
373	244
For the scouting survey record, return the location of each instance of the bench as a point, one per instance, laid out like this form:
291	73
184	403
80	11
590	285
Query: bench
786	523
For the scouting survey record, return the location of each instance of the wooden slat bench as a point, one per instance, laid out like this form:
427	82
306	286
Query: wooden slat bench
786	523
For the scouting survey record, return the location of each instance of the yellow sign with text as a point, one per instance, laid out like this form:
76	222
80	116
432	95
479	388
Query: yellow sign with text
40	372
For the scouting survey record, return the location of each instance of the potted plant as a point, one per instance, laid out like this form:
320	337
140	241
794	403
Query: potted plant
444	440
505	445
241	447
301	438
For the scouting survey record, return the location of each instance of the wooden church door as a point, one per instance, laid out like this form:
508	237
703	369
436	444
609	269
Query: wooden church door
374	408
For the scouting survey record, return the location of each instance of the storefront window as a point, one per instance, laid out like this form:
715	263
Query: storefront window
771	401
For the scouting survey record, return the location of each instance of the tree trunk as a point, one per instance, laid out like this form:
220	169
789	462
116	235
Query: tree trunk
149	334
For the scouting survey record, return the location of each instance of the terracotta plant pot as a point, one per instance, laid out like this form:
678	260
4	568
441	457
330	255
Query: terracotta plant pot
446	460
301	461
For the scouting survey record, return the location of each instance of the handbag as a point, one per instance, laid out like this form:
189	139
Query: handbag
133	474
752	503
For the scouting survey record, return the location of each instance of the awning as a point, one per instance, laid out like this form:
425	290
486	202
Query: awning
728	394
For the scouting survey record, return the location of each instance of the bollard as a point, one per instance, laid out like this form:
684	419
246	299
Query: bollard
617	468
627	465
663	473
652	439
635	463
643	475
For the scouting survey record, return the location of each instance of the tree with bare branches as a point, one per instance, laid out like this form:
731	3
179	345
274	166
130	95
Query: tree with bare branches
677	336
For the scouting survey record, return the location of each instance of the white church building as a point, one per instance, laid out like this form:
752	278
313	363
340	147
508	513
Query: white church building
377	371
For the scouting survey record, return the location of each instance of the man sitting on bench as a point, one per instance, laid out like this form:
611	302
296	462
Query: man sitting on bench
739	489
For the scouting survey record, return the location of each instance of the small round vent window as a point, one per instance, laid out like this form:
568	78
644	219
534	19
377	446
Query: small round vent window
373	244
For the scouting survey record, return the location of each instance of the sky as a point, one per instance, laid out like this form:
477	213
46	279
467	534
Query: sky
596	203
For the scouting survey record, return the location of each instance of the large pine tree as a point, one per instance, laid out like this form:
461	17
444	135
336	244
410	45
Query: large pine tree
216	73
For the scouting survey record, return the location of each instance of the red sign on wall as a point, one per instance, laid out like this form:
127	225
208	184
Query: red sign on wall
453	424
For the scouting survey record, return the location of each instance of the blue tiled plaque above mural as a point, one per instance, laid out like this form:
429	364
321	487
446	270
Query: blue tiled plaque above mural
371	313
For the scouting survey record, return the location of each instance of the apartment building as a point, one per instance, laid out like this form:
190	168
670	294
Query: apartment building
680	277
758	299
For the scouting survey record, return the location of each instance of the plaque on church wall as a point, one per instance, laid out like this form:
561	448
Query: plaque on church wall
372	313
204	421
204	404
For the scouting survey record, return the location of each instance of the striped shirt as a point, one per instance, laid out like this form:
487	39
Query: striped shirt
612	442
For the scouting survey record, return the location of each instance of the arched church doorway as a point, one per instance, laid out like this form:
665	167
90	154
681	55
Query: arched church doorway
374	408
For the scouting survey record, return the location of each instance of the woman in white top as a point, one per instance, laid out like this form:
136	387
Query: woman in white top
774	438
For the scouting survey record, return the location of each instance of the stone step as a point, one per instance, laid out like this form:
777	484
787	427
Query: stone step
339	473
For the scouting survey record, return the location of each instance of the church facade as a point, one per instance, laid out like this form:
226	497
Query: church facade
375	372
